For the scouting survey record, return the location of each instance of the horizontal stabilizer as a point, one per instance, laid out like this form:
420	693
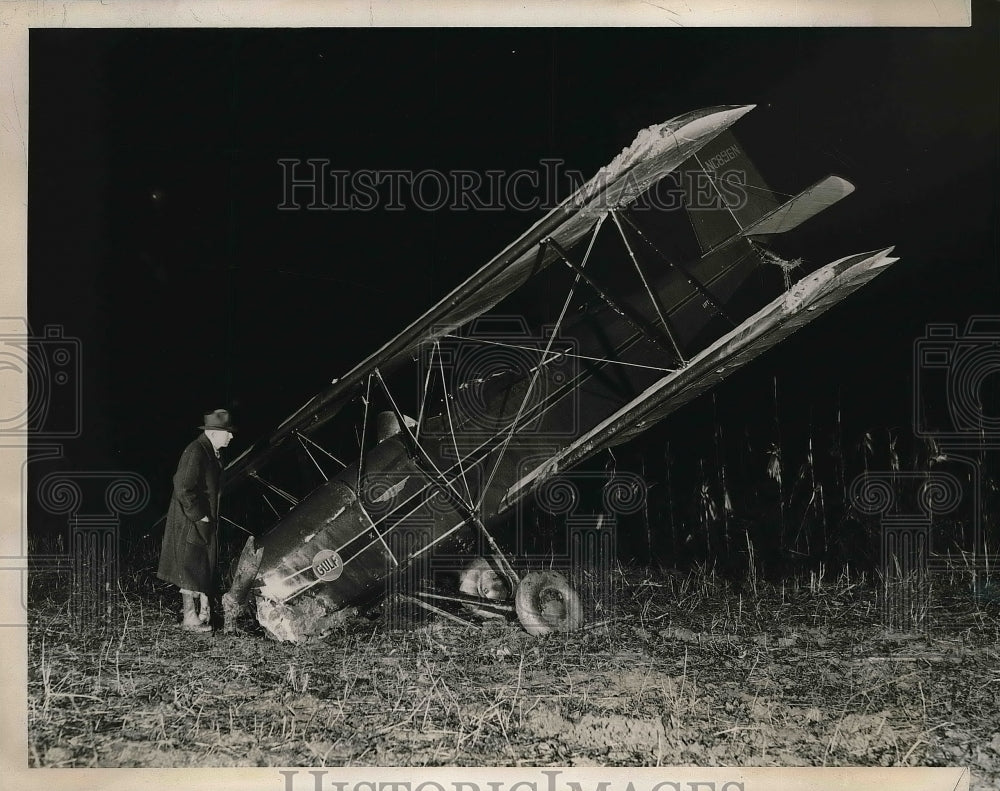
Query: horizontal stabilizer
808	203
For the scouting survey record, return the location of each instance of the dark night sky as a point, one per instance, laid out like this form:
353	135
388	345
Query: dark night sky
154	235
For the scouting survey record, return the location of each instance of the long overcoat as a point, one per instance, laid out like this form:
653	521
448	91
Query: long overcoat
190	546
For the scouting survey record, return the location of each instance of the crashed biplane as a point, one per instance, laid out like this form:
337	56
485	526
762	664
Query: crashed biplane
643	325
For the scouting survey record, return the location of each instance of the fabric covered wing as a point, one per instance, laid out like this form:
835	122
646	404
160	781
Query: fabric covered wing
807	299
655	152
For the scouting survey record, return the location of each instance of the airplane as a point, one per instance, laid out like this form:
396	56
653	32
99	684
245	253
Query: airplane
670	281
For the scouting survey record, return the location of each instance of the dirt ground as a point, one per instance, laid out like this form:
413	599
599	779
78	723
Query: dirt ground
688	670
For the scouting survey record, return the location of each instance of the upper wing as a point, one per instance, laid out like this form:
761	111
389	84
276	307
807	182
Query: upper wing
655	152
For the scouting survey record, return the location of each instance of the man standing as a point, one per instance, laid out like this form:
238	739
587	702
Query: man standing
190	541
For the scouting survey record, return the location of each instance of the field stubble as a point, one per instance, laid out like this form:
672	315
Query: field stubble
690	670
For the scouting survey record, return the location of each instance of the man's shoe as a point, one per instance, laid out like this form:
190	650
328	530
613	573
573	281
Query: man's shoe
191	622
204	609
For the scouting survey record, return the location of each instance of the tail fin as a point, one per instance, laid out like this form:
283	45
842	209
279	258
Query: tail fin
726	197
724	191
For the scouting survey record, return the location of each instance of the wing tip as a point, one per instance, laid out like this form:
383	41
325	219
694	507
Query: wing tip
845	185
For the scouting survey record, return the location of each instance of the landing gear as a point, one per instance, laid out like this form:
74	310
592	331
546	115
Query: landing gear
546	602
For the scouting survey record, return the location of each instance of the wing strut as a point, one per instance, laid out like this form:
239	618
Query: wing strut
364	428
427	389
425	461
234	524
548	347
691	279
311	457
451	425
662	340
653	298
602	360
303	438
277	490
269	505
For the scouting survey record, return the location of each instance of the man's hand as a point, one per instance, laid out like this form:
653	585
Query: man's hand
202	532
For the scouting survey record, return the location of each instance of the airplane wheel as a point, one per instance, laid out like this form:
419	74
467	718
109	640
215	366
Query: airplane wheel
480	579
546	602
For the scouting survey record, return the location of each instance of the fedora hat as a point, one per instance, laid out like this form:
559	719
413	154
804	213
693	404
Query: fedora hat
219	420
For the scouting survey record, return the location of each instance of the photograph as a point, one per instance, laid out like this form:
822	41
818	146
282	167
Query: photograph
511	396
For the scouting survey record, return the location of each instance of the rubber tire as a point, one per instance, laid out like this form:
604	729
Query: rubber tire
546	603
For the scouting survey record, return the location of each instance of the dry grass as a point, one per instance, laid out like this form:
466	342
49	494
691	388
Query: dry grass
690	670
